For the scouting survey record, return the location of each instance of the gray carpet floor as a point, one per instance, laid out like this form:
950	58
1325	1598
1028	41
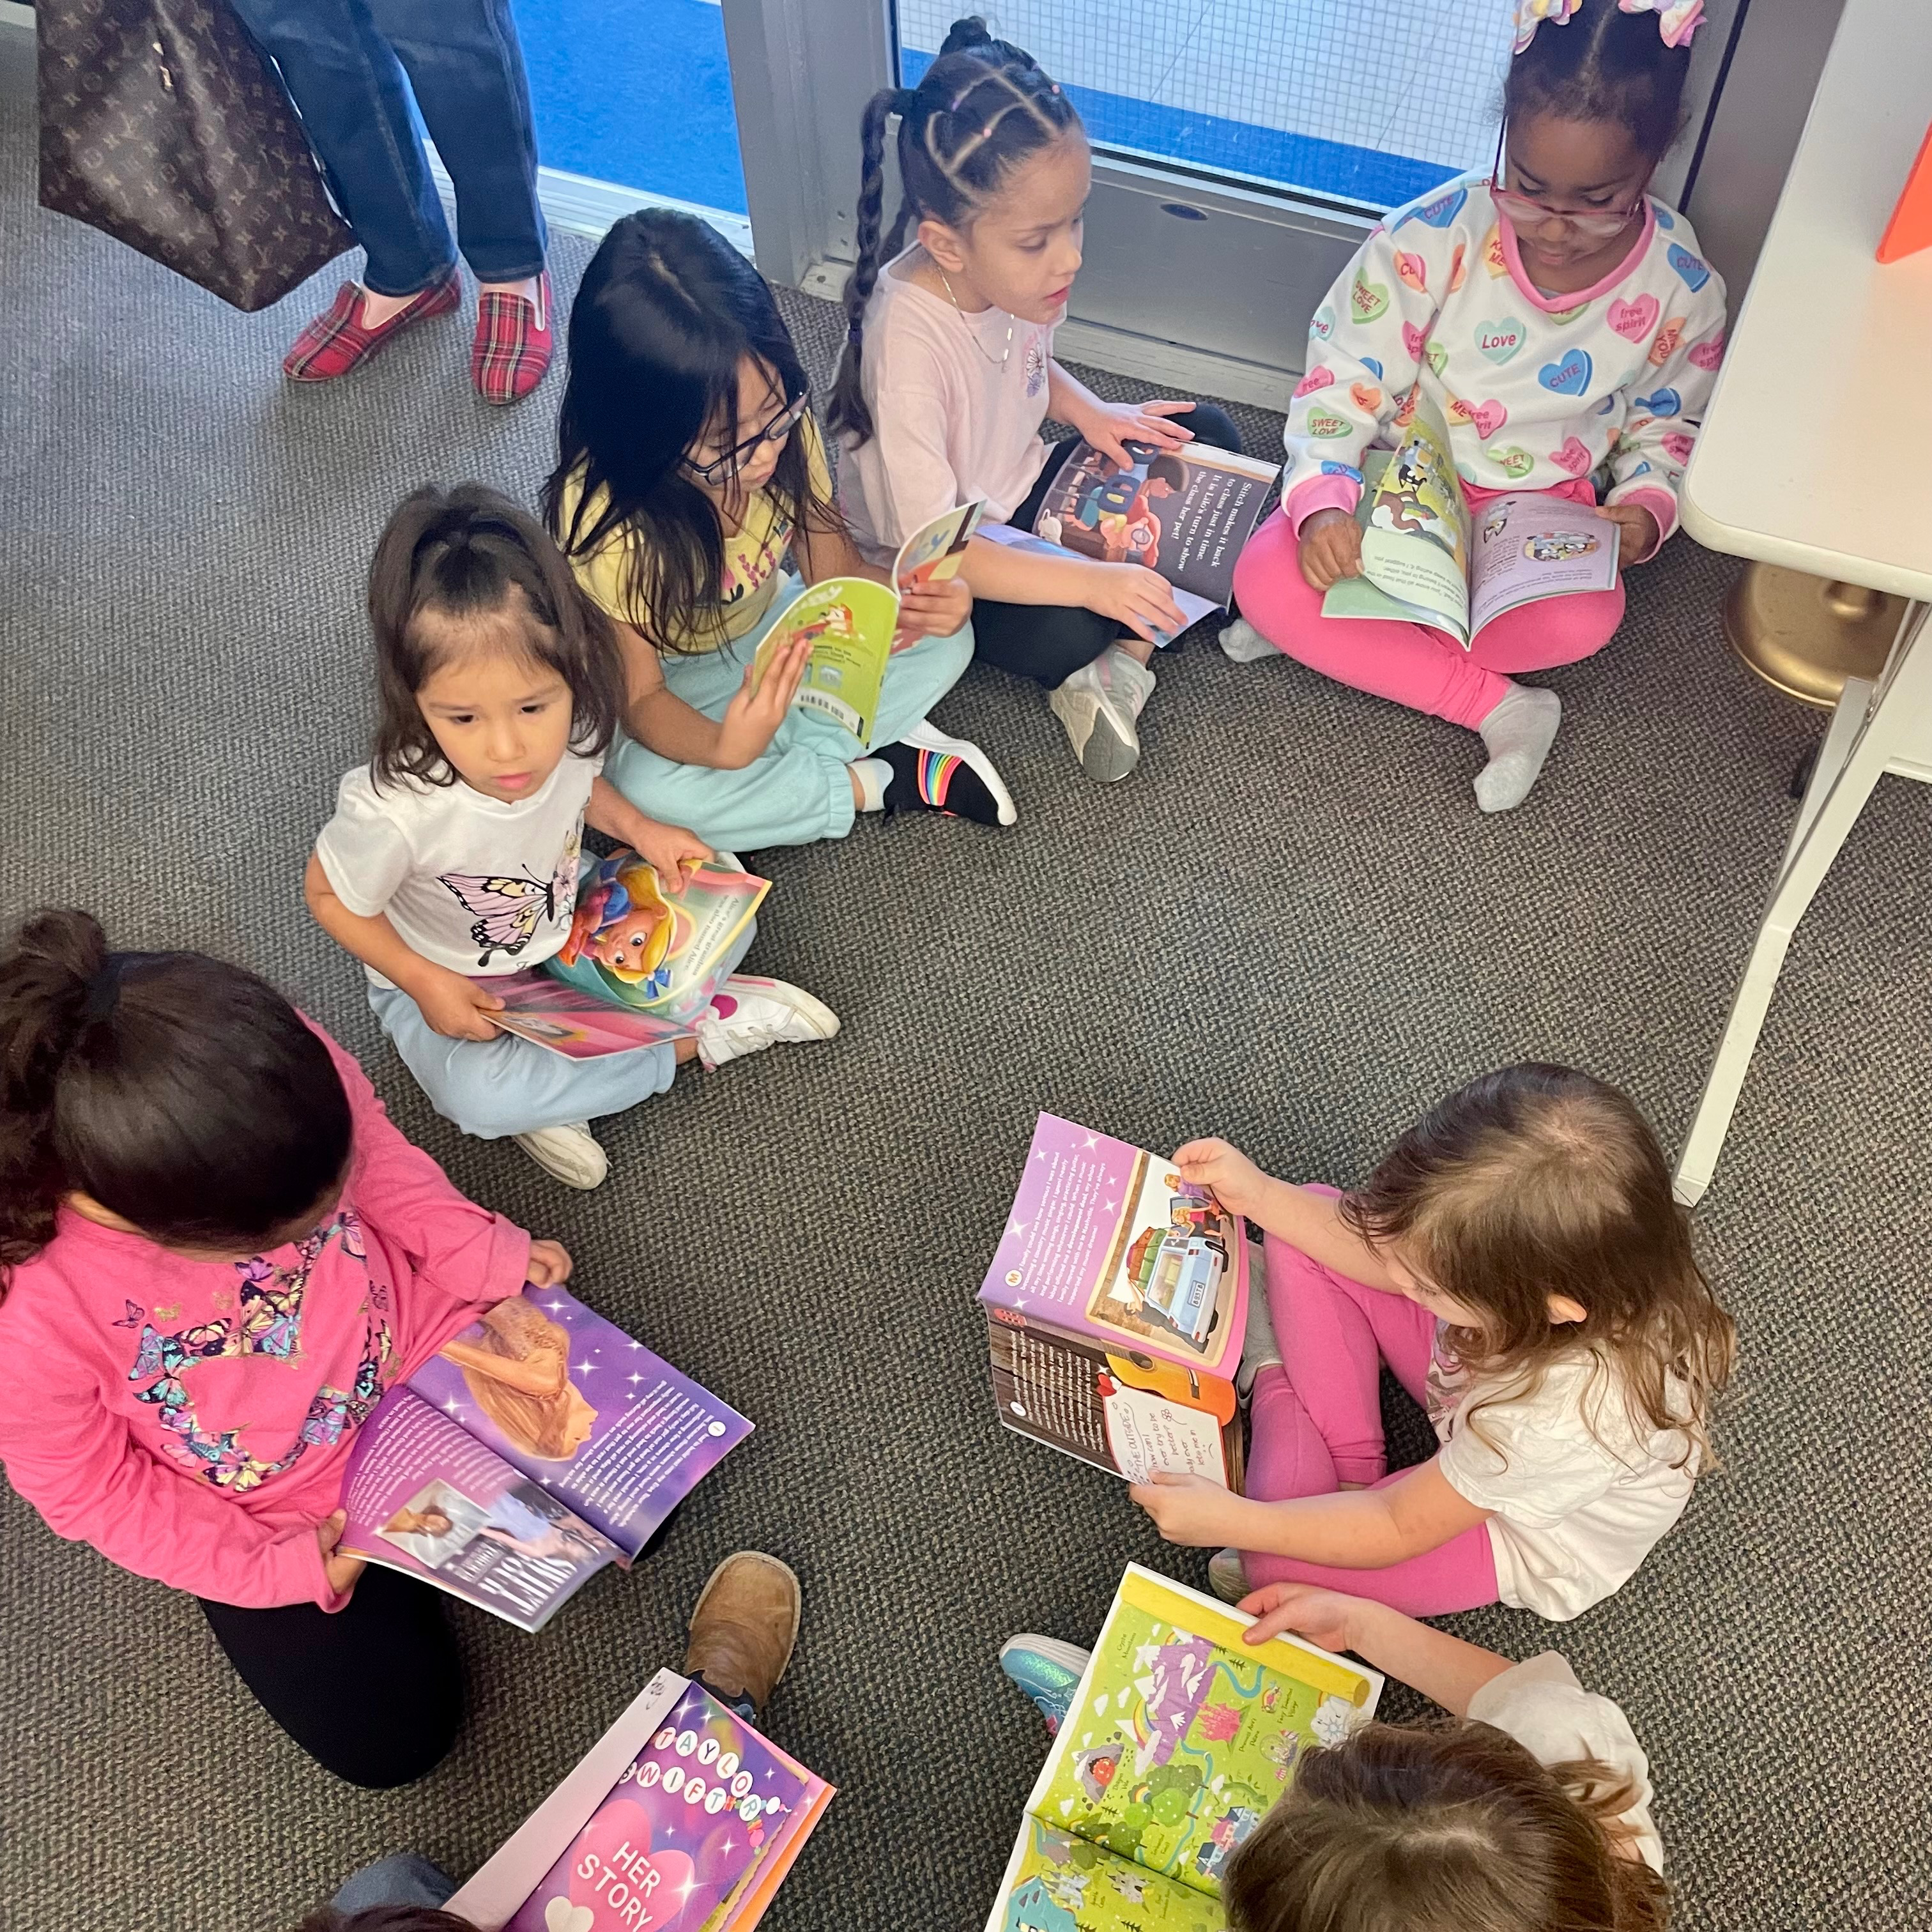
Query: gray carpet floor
1292	926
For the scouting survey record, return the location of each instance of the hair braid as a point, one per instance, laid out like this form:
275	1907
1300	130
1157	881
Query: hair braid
847	411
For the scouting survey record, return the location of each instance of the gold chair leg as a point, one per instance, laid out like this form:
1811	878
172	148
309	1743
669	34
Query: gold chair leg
1805	636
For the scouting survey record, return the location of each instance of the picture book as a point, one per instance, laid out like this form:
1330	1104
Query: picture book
1177	1742
851	621
632	946
1116	1304
1425	559
681	1818
1185	512
535	1447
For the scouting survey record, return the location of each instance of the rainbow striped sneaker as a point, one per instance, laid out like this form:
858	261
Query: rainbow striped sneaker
932	773
1047	1670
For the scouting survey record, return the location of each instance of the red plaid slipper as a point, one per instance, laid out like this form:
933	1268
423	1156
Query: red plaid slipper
512	349
336	343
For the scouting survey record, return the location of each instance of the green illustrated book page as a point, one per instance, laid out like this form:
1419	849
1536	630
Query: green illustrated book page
1414	522
850	621
1181	1737
1056	1883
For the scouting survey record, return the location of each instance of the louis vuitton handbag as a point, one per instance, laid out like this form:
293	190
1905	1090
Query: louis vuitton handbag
164	125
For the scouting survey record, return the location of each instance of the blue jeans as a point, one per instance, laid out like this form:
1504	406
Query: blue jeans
345	62
404	1878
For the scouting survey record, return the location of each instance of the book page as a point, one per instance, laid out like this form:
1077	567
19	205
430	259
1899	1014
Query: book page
593	1417
851	621
933	554
1193	608
1415	529
657	953
1531	547
1181	1737
1185	512
1056	1883
1106	1240
678	1840
424	1498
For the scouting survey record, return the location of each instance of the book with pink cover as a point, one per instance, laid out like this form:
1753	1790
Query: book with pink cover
540	1444
682	1817
1116	1304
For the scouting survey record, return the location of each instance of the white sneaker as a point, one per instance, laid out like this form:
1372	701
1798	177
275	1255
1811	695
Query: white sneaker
1100	705
1226	1577
569	1154
927	736
747	1014
1244	644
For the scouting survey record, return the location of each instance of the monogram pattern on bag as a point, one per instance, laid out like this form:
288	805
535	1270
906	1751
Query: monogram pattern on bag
163	124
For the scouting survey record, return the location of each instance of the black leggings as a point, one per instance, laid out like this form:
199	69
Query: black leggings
1049	642
373	1692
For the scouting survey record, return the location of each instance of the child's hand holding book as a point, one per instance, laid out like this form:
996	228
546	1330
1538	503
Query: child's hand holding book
934	608
1331	547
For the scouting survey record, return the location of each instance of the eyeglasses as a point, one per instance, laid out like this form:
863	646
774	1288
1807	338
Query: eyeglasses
1523	211
779	430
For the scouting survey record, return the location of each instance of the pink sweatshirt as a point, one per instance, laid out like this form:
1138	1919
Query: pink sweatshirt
191	1420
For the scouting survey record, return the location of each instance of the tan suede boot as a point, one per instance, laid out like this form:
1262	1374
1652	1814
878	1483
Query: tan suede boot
743	1627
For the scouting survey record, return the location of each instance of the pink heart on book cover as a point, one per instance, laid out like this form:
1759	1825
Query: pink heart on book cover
615	1875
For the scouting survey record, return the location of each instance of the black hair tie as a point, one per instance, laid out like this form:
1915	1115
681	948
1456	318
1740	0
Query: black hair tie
103	990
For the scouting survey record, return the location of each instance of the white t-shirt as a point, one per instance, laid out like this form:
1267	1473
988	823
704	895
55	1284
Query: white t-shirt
1579	1493
1540	1703
956	411
474	884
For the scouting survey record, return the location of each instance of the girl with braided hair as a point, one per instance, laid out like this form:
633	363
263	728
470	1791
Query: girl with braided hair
948	373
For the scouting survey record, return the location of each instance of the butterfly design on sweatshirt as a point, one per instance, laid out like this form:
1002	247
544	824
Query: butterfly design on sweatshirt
509	907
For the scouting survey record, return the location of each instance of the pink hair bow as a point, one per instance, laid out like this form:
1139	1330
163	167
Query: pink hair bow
1677	20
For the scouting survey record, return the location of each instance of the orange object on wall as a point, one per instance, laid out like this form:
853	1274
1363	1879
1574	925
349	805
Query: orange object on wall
1910	228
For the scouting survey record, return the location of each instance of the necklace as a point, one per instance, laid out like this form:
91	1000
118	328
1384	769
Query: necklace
1001	361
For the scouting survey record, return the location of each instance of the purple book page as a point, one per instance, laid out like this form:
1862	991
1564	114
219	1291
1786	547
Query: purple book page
695	1812
1105	1240
425	1498
615	1432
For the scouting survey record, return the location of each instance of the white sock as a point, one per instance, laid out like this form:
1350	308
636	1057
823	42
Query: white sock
1242	643
874	776
1518	733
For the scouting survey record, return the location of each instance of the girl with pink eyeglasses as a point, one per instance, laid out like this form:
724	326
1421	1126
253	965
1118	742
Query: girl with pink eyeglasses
1565	321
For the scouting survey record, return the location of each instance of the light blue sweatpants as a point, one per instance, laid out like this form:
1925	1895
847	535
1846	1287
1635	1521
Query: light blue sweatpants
493	1088
799	792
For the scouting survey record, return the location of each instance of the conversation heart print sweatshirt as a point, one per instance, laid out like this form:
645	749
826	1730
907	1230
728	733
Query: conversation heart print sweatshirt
1538	389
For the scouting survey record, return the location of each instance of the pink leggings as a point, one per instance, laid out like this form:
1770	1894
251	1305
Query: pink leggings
1317	1423
1415	665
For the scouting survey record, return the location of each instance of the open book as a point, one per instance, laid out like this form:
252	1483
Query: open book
851	621
1116	1304
1426	560
1178	1740
540	1444
680	1818
1186	513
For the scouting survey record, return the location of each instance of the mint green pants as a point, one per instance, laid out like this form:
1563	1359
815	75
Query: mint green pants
799	791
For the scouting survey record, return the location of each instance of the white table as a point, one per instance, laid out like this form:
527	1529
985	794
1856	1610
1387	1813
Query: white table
1816	454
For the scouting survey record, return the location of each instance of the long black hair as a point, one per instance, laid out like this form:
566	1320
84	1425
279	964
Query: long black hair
667	312
1602	64
182	1093
469	557
979	110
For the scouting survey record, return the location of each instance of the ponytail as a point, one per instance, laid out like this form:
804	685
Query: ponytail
982	107
183	1094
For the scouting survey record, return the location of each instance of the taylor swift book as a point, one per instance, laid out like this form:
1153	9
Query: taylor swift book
1178	1741
1116	1304
682	1818
540	1444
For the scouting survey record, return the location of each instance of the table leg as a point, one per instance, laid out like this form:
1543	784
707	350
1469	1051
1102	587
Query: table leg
1871	728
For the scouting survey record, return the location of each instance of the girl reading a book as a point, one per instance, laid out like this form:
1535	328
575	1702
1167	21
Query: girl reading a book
173	1136
453	856
1532	1811
948	373
1518	1262
1563	319
690	473
518	1373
